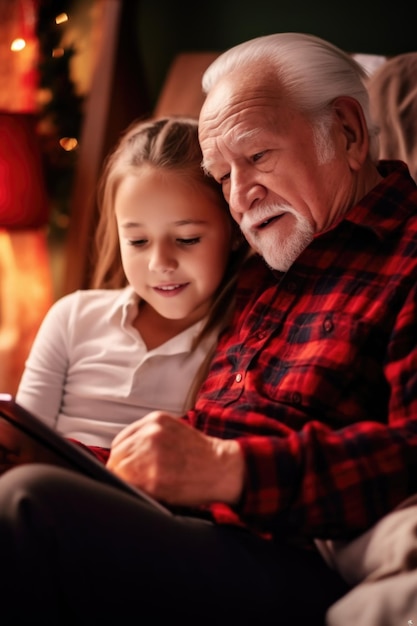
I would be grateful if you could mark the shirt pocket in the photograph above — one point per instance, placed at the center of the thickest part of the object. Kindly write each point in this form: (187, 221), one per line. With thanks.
(330, 365)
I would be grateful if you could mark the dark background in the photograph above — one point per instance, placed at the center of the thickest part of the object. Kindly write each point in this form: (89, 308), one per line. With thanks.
(165, 27)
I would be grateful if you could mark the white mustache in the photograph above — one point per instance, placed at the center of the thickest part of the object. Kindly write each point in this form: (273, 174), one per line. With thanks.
(260, 214)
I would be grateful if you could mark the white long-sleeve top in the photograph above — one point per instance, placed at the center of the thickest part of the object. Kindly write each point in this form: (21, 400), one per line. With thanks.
(89, 373)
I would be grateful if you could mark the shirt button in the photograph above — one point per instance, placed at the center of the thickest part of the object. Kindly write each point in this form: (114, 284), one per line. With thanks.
(238, 378)
(328, 325)
(296, 397)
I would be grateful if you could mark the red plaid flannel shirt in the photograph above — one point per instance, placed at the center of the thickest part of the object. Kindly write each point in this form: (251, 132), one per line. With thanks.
(318, 377)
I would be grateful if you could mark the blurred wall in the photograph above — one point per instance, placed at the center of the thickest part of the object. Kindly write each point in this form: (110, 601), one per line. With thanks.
(166, 27)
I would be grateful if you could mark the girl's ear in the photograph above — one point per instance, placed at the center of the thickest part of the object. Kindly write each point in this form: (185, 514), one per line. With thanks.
(352, 126)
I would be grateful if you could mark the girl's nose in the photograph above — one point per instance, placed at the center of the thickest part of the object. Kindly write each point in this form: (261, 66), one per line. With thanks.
(162, 259)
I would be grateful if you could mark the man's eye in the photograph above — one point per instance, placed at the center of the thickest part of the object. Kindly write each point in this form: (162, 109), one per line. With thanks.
(224, 178)
(189, 242)
(258, 156)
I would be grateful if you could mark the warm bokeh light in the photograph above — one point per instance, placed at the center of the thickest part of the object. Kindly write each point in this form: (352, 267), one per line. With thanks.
(61, 18)
(43, 96)
(18, 44)
(68, 143)
(58, 52)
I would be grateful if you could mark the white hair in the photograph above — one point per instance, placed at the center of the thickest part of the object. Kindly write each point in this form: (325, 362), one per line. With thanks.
(313, 71)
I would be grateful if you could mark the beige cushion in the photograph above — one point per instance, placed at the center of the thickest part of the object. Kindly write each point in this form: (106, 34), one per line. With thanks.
(181, 93)
(393, 96)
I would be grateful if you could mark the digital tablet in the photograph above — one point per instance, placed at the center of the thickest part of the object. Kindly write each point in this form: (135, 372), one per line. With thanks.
(26, 439)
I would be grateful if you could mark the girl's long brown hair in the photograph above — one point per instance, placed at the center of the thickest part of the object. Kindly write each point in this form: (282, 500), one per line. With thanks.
(172, 144)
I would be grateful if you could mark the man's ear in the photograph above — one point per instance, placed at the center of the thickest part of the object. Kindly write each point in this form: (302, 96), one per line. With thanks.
(352, 125)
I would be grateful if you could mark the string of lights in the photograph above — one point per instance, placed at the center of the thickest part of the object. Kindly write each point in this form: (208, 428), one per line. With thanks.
(60, 106)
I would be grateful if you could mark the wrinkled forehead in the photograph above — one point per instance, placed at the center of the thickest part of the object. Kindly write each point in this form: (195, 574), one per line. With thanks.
(221, 96)
(237, 109)
(242, 90)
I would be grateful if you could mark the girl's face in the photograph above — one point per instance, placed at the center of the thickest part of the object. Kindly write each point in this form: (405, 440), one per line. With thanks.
(175, 240)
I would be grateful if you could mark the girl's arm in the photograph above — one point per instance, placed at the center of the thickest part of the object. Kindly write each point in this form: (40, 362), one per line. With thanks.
(43, 381)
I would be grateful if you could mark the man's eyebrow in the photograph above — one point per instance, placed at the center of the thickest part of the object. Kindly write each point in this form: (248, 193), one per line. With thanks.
(235, 138)
(205, 166)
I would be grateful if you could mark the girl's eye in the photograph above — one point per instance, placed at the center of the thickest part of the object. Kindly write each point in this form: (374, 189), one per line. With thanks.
(137, 243)
(189, 242)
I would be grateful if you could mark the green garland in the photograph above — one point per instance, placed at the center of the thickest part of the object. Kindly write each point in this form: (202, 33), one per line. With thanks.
(61, 115)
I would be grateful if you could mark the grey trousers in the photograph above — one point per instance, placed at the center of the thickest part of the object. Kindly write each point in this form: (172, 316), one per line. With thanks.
(75, 552)
(381, 565)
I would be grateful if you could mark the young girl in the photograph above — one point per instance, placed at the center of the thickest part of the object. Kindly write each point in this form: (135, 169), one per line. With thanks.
(142, 338)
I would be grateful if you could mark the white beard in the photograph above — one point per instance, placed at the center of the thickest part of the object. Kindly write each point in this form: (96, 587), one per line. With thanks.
(279, 250)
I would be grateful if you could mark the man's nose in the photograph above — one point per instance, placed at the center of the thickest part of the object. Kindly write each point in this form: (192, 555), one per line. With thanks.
(243, 193)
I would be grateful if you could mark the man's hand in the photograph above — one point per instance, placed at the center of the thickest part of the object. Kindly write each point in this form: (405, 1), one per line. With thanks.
(176, 463)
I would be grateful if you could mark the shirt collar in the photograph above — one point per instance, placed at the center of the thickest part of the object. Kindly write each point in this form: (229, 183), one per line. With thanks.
(389, 204)
(124, 306)
(124, 310)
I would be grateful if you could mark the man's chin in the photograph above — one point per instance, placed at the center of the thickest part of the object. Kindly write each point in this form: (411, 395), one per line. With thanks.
(281, 257)
(277, 265)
